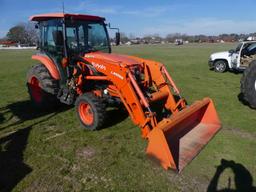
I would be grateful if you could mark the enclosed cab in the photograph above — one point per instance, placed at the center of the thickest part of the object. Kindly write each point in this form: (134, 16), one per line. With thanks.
(69, 35)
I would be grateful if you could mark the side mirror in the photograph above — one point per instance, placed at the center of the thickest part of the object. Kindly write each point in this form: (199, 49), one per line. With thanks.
(117, 34)
(231, 51)
(118, 38)
(36, 26)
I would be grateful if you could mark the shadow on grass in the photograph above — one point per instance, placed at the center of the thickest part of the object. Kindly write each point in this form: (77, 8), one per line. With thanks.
(240, 97)
(24, 110)
(12, 167)
(235, 72)
(115, 116)
(12, 146)
(242, 178)
(1, 118)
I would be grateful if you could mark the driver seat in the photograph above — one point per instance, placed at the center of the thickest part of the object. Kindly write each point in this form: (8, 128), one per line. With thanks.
(57, 38)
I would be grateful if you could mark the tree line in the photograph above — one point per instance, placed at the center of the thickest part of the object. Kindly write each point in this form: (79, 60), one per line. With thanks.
(25, 33)
(190, 38)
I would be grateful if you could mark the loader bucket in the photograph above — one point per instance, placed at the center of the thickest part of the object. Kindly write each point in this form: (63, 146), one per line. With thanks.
(175, 141)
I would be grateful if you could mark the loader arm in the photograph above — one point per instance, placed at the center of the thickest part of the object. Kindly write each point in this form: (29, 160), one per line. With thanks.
(134, 99)
(128, 91)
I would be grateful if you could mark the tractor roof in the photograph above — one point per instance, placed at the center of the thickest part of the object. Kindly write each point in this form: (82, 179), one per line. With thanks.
(45, 17)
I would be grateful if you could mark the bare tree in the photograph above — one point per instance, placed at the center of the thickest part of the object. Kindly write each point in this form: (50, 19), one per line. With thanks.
(31, 37)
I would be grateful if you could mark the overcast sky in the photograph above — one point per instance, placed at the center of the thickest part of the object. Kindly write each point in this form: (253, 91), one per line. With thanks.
(141, 17)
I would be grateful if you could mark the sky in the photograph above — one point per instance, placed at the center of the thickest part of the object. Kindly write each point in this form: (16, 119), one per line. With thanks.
(144, 17)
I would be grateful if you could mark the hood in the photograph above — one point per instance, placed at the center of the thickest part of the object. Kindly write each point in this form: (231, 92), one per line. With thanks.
(111, 57)
(219, 55)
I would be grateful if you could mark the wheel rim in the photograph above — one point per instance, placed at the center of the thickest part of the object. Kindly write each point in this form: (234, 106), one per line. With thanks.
(255, 85)
(220, 67)
(86, 113)
(35, 89)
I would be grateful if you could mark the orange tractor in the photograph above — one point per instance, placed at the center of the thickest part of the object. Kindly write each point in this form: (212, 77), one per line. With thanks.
(77, 67)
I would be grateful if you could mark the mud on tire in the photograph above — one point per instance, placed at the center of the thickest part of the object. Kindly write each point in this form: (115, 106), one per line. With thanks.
(91, 111)
(248, 85)
(42, 88)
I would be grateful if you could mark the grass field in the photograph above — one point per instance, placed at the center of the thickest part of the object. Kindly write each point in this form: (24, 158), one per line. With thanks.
(48, 151)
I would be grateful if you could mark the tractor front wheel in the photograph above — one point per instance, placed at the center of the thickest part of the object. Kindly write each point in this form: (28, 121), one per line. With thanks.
(248, 85)
(42, 88)
(91, 111)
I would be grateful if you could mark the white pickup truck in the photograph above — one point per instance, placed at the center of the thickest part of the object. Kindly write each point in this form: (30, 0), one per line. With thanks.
(237, 59)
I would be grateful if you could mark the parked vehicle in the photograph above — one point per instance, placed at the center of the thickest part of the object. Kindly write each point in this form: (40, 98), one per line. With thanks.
(237, 59)
(178, 42)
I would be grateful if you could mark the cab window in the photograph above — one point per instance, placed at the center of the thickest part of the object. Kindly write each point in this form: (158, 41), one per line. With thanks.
(51, 37)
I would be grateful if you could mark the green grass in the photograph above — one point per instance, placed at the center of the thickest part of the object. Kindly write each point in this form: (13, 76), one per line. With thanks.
(42, 151)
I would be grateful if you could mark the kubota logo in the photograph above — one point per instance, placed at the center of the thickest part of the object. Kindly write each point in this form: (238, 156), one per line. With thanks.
(89, 56)
(99, 66)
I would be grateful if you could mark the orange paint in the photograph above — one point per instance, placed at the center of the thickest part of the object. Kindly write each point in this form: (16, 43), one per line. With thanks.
(43, 17)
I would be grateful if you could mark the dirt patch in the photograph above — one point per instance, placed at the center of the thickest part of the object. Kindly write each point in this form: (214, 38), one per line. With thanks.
(86, 153)
(107, 138)
(187, 183)
(242, 134)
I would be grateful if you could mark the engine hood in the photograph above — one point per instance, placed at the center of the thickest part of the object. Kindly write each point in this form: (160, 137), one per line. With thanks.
(111, 57)
(220, 55)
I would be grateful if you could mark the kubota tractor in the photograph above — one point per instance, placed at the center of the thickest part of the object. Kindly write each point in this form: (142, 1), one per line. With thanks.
(77, 67)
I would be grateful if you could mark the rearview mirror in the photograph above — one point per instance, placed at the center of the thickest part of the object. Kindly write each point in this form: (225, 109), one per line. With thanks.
(117, 38)
(117, 34)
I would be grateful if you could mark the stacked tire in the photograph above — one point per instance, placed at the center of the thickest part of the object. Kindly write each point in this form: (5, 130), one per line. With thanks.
(248, 85)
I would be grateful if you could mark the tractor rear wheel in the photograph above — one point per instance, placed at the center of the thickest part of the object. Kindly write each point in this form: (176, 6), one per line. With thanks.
(248, 85)
(42, 88)
(91, 111)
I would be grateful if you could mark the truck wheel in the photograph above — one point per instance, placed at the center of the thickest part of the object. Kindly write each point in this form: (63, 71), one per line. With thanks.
(248, 85)
(42, 88)
(220, 66)
(91, 111)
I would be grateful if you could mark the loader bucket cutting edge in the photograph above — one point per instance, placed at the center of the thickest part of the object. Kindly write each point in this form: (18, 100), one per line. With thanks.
(175, 141)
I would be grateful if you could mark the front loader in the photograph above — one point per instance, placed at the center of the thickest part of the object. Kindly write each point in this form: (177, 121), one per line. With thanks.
(77, 67)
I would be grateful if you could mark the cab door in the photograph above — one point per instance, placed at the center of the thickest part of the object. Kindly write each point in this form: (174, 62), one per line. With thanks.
(235, 57)
(52, 44)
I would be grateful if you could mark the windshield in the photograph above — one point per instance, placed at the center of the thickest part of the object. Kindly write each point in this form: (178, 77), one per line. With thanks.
(86, 36)
(238, 47)
(252, 47)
